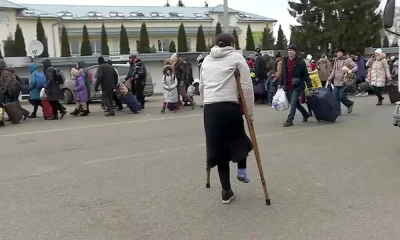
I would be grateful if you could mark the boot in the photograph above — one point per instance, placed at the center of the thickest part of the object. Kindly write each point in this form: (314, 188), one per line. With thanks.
(75, 112)
(32, 115)
(380, 99)
(288, 123)
(162, 110)
(85, 113)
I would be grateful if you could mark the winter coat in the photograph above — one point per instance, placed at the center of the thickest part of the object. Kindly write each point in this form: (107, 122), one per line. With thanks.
(337, 74)
(81, 91)
(379, 70)
(315, 80)
(106, 77)
(278, 67)
(300, 71)
(325, 68)
(38, 81)
(6, 77)
(361, 71)
(170, 83)
(52, 87)
(261, 67)
(81, 65)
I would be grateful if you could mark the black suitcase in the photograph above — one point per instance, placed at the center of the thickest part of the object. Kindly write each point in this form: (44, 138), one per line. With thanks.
(324, 104)
(393, 92)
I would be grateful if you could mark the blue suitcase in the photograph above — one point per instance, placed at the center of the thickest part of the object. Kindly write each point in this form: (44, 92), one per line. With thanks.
(324, 105)
(132, 102)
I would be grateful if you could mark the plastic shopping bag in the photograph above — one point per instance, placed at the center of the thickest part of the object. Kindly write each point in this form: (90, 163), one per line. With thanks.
(329, 86)
(280, 101)
(43, 94)
(190, 91)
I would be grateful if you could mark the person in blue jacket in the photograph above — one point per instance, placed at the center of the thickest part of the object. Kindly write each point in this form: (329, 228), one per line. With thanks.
(38, 80)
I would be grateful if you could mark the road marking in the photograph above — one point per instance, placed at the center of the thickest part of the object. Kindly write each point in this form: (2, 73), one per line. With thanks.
(166, 150)
(97, 125)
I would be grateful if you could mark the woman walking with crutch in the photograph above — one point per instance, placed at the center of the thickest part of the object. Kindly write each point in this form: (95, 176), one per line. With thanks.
(226, 138)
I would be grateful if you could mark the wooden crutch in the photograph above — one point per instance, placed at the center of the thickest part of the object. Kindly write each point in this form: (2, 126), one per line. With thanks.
(254, 141)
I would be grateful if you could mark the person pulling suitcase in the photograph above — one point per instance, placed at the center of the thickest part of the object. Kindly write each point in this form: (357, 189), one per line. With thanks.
(294, 77)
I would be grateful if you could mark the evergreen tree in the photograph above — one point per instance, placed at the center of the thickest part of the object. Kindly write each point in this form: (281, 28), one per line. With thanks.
(19, 43)
(385, 42)
(123, 41)
(9, 49)
(144, 40)
(172, 47)
(267, 39)
(41, 37)
(281, 42)
(218, 29)
(182, 40)
(65, 48)
(201, 40)
(236, 37)
(395, 42)
(377, 40)
(105, 50)
(250, 46)
(180, 3)
(345, 23)
(86, 48)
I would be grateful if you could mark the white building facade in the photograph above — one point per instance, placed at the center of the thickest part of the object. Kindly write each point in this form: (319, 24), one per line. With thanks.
(162, 24)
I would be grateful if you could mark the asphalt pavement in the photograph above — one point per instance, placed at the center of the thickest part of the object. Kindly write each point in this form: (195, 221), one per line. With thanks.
(142, 177)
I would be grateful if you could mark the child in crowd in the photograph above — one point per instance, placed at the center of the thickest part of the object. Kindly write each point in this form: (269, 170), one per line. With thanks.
(170, 84)
(315, 82)
(81, 93)
(271, 86)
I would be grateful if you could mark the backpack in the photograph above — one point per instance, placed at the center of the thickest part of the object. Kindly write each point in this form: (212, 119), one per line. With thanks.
(60, 79)
(40, 80)
(14, 88)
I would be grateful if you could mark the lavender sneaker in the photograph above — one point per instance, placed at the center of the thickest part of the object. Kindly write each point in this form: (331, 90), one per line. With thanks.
(242, 175)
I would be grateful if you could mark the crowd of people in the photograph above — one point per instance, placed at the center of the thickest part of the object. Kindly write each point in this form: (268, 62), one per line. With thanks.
(369, 76)
(46, 82)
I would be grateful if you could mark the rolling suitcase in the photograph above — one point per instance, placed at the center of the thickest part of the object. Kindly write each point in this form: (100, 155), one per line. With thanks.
(323, 104)
(364, 87)
(47, 109)
(13, 111)
(393, 92)
(132, 102)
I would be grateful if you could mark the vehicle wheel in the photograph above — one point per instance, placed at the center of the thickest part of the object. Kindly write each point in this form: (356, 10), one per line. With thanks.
(68, 97)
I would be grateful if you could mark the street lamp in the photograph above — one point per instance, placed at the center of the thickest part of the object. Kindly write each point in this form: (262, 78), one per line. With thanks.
(226, 17)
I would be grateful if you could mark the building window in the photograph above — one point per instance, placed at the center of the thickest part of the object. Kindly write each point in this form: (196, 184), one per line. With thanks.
(197, 15)
(96, 46)
(188, 43)
(115, 47)
(3, 17)
(137, 45)
(75, 47)
(163, 45)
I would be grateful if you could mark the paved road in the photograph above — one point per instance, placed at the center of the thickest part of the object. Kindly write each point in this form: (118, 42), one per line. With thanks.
(141, 177)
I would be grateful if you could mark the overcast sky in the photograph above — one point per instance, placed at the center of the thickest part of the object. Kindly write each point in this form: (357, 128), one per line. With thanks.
(276, 9)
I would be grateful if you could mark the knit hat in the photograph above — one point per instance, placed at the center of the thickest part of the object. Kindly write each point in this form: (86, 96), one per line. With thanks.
(378, 51)
(293, 47)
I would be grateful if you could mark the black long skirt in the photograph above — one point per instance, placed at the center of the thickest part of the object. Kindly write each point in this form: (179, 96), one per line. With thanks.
(226, 138)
